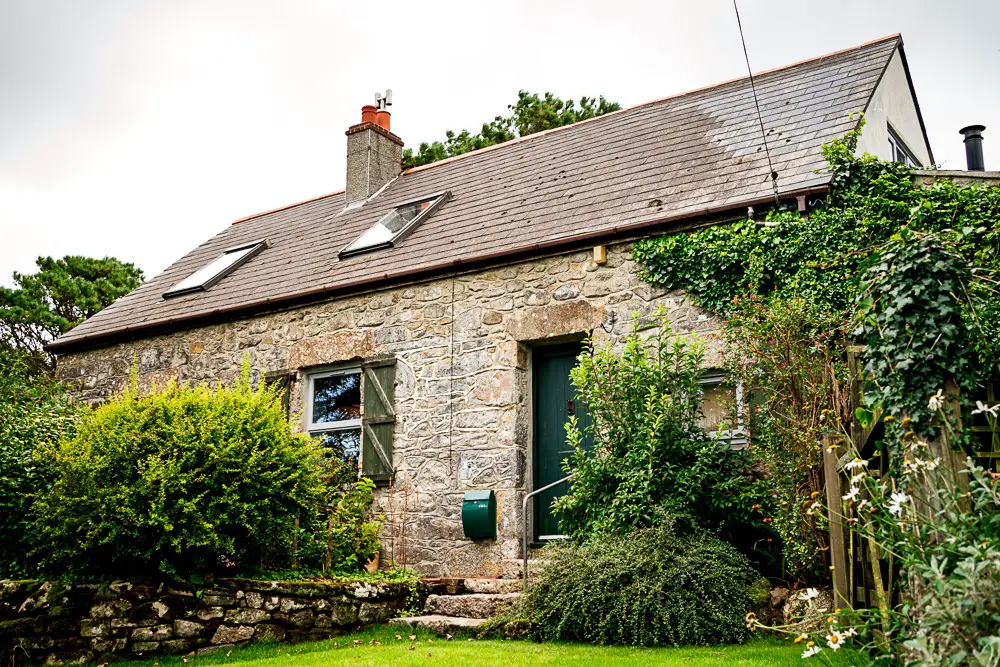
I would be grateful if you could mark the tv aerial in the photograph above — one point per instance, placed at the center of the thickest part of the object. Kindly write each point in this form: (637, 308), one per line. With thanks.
(383, 100)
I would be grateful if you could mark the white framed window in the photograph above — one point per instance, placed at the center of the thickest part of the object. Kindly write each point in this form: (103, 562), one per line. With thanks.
(723, 409)
(899, 150)
(333, 410)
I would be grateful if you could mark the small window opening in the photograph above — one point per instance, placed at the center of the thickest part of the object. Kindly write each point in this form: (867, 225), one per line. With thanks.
(395, 225)
(722, 409)
(899, 151)
(217, 269)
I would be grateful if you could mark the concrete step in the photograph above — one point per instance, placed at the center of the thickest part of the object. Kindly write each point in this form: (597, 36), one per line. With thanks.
(482, 585)
(470, 605)
(443, 625)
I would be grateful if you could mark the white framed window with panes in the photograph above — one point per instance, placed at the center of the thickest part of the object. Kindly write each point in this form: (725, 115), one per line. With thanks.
(723, 408)
(333, 410)
(899, 151)
(351, 410)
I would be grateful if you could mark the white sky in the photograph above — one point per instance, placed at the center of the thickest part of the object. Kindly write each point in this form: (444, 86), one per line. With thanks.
(138, 129)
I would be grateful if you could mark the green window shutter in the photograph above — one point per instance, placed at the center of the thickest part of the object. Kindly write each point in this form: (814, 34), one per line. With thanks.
(378, 419)
(285, 379)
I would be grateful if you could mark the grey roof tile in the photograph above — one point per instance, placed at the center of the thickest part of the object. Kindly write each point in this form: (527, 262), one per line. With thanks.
(690, 151)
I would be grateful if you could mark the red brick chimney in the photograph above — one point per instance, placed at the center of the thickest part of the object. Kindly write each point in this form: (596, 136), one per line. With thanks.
(374, 154)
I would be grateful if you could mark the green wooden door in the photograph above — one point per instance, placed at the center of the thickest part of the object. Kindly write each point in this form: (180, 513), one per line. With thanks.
(554, 400)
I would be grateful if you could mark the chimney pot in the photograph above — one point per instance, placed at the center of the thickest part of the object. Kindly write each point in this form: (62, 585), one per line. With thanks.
(974, 147)
(374, 155)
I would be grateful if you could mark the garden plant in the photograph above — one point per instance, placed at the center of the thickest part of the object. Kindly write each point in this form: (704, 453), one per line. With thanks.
(186, 481)
(907, 274)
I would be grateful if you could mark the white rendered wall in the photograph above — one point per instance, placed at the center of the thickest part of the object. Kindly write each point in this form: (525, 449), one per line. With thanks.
(892, 103)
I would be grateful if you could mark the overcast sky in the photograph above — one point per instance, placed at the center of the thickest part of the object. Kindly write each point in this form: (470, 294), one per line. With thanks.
(139, 129)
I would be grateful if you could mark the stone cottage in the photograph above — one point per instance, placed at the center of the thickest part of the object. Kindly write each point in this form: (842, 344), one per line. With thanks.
(425, 321)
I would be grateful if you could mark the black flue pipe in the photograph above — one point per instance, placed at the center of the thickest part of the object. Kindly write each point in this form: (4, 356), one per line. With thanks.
(974, 147)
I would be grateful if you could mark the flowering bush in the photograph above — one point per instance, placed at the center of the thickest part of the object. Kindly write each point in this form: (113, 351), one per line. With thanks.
(945, 542)
(788, 351)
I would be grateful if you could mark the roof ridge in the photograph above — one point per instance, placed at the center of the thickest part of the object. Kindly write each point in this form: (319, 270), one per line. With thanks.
(479, 151)
(287, 206)
(527, 137)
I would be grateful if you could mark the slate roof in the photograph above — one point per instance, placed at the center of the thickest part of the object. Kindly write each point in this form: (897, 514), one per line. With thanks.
(677, 157)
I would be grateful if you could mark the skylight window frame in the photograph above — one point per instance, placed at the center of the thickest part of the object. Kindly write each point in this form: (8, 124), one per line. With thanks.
(436, 199)
(256, 248)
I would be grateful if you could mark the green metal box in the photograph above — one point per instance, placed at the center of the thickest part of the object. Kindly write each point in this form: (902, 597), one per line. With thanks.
(479, 514)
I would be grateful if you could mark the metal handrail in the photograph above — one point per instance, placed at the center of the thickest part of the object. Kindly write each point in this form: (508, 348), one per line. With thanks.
(524, 522)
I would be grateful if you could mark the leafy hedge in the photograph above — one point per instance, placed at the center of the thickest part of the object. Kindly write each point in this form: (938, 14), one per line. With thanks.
(34, 411)
(673, 584)
(178, 481)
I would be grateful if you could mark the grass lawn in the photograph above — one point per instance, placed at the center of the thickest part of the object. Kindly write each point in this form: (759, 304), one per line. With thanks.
(431, 649)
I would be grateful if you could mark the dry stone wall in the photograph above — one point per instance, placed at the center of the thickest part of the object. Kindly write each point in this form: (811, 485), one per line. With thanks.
(54, 622)
(463, 349)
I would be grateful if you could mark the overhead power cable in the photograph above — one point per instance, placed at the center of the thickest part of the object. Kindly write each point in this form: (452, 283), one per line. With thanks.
(760, 118)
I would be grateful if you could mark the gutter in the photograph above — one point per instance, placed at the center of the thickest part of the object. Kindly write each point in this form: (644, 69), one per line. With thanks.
(423, 272)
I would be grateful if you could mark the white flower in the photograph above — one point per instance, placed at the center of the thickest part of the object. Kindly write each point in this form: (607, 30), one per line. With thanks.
(936, 401)
(811, 594)
(834, 640)
(991, 410)
(856, 464)
(850, 632)
(852, 494)
(856, 479)
(811, 651)
(896, 506)
(862, 503)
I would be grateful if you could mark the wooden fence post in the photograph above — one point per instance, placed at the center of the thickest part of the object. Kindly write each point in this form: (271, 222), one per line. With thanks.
(835, 505)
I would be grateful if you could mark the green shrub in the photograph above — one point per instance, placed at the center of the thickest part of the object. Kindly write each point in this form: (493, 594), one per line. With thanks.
(649, 456)
(341, 534)
(34, 411)
(178, 481)
(673, 584)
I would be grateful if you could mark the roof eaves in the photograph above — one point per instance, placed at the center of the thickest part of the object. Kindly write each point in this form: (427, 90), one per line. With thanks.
(916, 102)
(68, 343)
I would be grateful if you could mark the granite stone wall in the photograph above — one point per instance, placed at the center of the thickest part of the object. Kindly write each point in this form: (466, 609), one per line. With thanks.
(55, 622)
(463, 350)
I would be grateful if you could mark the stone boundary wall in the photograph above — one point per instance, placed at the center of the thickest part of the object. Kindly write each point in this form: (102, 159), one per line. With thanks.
(56, 622)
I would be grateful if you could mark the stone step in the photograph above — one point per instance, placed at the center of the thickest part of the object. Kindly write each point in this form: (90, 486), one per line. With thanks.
(483, 585)
(470, 605)
(443, 625)
(513, 568)
(443, 585)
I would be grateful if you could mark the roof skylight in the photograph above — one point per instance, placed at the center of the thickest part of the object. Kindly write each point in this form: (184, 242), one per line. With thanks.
(395, 224)
(217, 269)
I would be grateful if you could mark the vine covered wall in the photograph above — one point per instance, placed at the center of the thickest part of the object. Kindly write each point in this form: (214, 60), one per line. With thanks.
(912, 269)
(905, 269)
